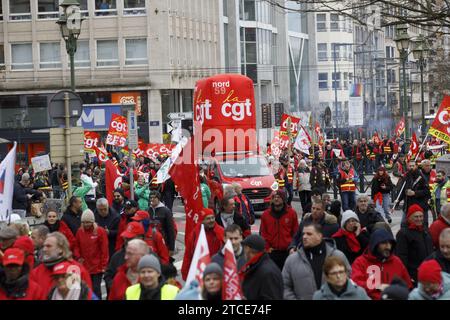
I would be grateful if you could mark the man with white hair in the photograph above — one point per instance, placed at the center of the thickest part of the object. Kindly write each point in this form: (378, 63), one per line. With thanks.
(109, 219)
(127, 275)
(22, 194)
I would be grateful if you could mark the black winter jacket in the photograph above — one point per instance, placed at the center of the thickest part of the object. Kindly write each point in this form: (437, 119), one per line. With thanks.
(115, 262)
(72, 220)
(444, 263)
(341, 244)
(328, 223)
(162, 218)
(413, 247)
(20, 199)
(110, 222)
(369, 218)
(237, 218)
(417, 183)
(263, 280)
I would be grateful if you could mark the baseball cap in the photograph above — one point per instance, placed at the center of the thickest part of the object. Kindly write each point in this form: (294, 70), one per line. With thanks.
(13, 256)
(141, 215)
(133, 230)
(61, 268)
(131, 204)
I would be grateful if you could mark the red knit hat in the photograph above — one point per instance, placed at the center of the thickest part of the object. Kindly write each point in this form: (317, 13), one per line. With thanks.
(412, 209)
(205, 212)
(430, 271)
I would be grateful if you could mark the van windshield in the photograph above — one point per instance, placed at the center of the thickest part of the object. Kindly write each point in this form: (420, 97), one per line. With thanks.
(246, 167)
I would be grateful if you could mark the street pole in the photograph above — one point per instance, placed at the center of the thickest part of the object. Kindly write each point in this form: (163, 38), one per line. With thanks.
(421, 65)
(335, 89)
(67, 136)
(405, 106)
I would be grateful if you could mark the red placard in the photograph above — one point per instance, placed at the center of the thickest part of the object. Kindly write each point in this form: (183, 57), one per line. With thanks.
(400, 127)
(118, 131)
(284, 124)
(153, 150)
(91, 140)
(224, 114)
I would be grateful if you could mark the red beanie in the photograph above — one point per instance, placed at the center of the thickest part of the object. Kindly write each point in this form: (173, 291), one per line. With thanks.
(412, 209)
(204, 213)
(430, 271)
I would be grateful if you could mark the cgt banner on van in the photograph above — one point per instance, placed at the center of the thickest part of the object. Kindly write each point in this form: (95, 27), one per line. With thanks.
(225, 114)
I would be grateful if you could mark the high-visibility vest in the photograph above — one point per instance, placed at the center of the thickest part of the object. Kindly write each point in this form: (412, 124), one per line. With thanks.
(445, 193)
(290, 174)
(387, 149)
(280, 178)
(349, 185)
(370, 154)
(65, 185)
(432, 179)
(168, 292)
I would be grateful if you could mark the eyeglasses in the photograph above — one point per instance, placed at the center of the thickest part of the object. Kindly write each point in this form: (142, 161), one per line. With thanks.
(335, 273)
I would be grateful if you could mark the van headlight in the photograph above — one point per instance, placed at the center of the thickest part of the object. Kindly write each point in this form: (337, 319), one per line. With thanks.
(274, 186)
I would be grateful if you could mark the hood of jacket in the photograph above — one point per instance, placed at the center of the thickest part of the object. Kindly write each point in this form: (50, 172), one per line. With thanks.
(350, 291)
(378, 237)
(326, 219)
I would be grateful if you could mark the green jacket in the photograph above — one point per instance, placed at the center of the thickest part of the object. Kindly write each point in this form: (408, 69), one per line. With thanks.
(206, 194)
(143, 194)
(444, 198)
(168, 292)
(81, 192)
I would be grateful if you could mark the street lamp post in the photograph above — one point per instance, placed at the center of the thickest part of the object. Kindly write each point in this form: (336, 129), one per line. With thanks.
(70, 24)
(402, 41)
(420, 52)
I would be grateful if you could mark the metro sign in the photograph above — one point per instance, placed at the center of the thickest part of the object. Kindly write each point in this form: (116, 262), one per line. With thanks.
(97, 117)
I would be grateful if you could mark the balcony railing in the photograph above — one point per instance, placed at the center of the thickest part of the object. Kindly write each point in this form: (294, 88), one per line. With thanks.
(48, 15)
(105, 12)
(19, 16)
(134, 11)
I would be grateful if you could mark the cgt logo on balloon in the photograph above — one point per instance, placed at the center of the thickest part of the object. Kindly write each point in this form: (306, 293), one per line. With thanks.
(224, 109)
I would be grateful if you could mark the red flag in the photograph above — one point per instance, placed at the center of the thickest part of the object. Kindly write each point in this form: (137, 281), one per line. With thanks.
(294, 124)
(200, 259)
(376, 139)
(118, 131)
(91, 140)
(113, 180)
(440, 128)
(413, 148)
(400, 127)
(231, 288)
(185, 175)
(102, 154)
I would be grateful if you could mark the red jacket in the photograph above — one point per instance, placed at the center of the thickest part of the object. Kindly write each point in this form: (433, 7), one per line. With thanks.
(278, 232)
(43, 276)
(215, 242)
(386, 271)
(120, 284)
(155, 241)
(436, 229)
(122, 227)
(64, 229)
(33, 292)
(94, 249)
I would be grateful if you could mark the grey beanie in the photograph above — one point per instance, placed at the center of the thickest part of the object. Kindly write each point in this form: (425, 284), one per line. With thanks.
(149, 261)
(213, 267)
(347, 215)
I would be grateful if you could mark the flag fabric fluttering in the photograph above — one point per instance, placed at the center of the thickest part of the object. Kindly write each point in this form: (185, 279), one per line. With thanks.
(231, 288)
(7, 176)
(200, 259)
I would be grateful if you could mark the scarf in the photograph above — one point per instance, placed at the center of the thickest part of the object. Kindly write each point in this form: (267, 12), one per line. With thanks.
(74, 294)
(150, 294)
(253, 261)
(53, 262)
(53, 227)
(413, 226)
(350, 239)
(278, 213)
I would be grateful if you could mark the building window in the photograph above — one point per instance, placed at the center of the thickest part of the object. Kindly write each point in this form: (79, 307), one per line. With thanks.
(323, 81)
(249, 53)
(82, 56)
(322, 51)
(2, 55)
(105, 8)
(136, 52)
(334, 22)
(345, 80)
(21, 56)
(249, 10)
(335, 51)
(1, 11)
(344, 52)
(134, 7)
(336, 80)
(264, 44)
(107, 53)
(48, 9)
(50, 55)
(225, 8)
(321, 22)
(19, 10)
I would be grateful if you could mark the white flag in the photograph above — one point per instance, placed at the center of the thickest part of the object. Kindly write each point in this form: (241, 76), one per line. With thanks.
(163, 173)
(7, 183)
(200, 259)
(302, 141)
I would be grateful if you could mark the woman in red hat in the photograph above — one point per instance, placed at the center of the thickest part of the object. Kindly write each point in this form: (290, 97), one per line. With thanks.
(414, 242)
(434, 284)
